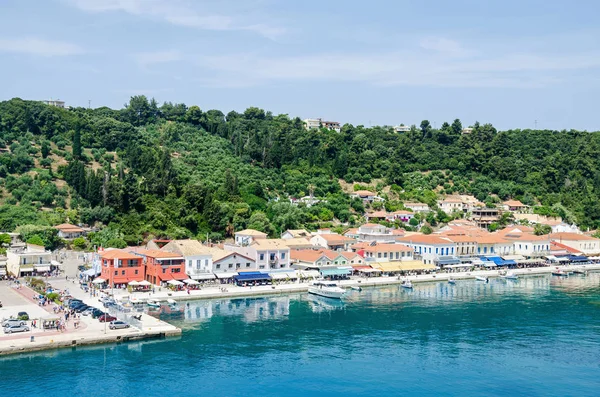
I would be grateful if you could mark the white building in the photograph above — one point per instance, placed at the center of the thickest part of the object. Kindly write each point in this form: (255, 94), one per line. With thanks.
(416, 207)
(402, 128)
(248, 236)
(55, 102)
(198, 258)
(387, 253)
(25, 261)
(268, 253)
(585, 244)
(310, 124)
(373, 232)
(429, 247)
(332, 241)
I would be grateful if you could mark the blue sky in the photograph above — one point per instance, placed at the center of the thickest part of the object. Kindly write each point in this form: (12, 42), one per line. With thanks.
(377, 62)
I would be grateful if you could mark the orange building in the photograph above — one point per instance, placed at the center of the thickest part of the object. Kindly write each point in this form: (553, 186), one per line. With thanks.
(163, 266)
(120, 267)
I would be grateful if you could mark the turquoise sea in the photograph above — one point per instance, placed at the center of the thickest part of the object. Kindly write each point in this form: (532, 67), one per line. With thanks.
(538, 336)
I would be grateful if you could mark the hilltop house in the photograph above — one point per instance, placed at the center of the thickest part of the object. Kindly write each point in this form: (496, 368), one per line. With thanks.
(295, 233)
(416, 207)
(332, 241)
(68, 231)
(248, 236)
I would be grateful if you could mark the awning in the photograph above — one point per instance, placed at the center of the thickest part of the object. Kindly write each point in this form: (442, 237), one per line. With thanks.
(283, 275)
(90, 273)
(42, 268)
(578, 258)
(370, 270)
(461, 265)
(144, 283)
(174, 282)
(562, 259)
(133, 283)
(99, 280)
(204, 276)
(335, 271)
(506, 263)
(361, 267)
(489, 264)
(309, 273)
(224, 275)
(2, 271)
(191, 282)
(26, 269)
(513, 257)
(251, 276)
(56, 263)
(446, 260)
(551, 258)
(402, 266)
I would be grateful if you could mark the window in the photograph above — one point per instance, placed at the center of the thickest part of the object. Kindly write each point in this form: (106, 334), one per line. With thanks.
(261, 267)
(136, 271)
(231, 265)
(122, 272)
(247, 264)
(237, 265)
(176, 270)
(218, 266)
(272, 257)
(379, 254)
(116, 272)
(198, 261)
(262, 257)
(283, 255)
(385, 255)
(190, 263)
(164, 271)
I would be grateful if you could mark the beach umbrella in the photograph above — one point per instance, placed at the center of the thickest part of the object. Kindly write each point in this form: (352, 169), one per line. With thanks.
(133, 283)
(99, 281)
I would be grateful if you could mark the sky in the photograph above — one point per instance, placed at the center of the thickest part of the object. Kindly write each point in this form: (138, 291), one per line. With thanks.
(512, 63)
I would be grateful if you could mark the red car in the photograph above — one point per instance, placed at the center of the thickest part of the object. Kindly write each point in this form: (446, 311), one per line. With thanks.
(106, 318)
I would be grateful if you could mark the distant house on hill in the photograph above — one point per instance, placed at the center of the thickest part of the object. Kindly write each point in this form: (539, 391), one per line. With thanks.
(68, 231)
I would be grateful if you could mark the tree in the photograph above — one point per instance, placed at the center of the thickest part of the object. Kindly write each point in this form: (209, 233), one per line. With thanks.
(259, 221)
(79, 243)
(45, 149)
(35, 240)
(426, 229)
(4, 239)
(540, 229)
(77, 143)
(425, 128)
(456, 127)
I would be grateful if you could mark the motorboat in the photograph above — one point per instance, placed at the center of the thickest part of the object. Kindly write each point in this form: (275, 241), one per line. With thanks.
(451, 281)
(154, 303)
(407, 284)
(356, 288)
(326, 289)
(560, 273)
(511, 276)
(481, 278)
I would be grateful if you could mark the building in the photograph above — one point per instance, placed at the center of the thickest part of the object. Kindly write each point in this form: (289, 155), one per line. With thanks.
(429, 247)
(494, 244)
(484, 217)
(351, 233)
(310, 124)
(163, 266)
(248, 236)
(323, 258)
(525, 242)
(332, 125)
(268, 254)
(198, 258)
(366, 196)
(402, 129)
(28, 260)
(298, 243)
(403, 216)
(309, 201)
(514, 206)
(231, 262)
(416, 207)
(3, 266)
(119, 267)
(467, 130)
(68, 231)
(465, 245)
(55, 102)
(295, 233)
(450, 205)
(372, 232)
(332, 241)
(585, 244)
(386, 253)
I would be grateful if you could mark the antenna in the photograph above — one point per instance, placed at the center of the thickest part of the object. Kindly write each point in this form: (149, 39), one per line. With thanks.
(89, 103)
(535, 122)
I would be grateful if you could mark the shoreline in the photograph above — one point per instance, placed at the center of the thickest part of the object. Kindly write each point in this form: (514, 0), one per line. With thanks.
(153, 328)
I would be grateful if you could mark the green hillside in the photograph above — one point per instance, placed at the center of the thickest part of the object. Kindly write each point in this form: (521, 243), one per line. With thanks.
(176, 171)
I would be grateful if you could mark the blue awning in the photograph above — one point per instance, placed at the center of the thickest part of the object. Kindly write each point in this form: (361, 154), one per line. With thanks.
(252, 276)
(578, 258)
(334, 272)
(506, 263)
(447, 260)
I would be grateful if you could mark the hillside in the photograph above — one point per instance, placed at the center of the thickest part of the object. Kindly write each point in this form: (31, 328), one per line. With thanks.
(178, 171)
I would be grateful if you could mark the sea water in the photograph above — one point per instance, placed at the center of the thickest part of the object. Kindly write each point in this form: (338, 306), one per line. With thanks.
(532, 337)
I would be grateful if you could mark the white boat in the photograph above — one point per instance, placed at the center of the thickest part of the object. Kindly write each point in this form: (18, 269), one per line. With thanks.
(481, 278)
(451, 281)
(407, 284)
(154, 303)
(356, 288)
(511, 276)
(326, 289)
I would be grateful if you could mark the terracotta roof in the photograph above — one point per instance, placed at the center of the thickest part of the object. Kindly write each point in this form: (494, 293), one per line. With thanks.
(526, 237)
(378, 214)
(275, 243)
(118, 254)
(514, 203)
(187, 248)
(219, 254)
(364, 193)
(352, 230)
(372, 225)
(251, 232)
(462, 239)
(403, 212)
(158, 254)
(554, 246)
(336, 238)
(312, 256)
(491, 239)
(67, 227)
(296, 242)
(571, 237)
(298, 232)
(388, 248)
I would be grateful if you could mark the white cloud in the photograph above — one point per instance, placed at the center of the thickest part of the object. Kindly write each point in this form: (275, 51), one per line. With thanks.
(399, 69)
(444, 46)
(151, 58)
(40, 47)
(179, 13)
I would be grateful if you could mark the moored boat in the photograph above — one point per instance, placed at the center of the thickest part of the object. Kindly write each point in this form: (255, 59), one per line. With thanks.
(326, 289)
(511, 276)
(560, 273)
(451, 281)
(407, 284)
(154, 303)
(481, 278)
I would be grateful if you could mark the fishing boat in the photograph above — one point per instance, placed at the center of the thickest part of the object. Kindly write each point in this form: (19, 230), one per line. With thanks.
(481, 278)
(451, 281)
(326, 289)
(406, 284)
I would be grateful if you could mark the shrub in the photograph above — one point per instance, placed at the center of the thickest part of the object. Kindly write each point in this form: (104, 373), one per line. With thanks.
(79, 243)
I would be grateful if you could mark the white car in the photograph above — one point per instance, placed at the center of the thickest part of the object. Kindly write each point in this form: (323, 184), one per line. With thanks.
(13, 322)
(118, 324)
(15, 328)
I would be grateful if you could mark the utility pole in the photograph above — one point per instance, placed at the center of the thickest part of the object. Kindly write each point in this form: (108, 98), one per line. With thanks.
(89, 103)
(535, 122)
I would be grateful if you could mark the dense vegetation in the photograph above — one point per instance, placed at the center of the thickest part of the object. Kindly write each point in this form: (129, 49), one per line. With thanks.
(178, 171)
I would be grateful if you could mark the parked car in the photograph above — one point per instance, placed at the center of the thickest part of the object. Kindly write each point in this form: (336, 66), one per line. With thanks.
(110, 304)
(118, 324)
(97, 313)
(88, 311)
(80, 309)
(15, 328)
(11, 322)
(23, 316)
(74, 304)
(106, 318)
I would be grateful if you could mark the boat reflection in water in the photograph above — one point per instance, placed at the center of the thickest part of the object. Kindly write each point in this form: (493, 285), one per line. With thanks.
(320, 304)
(249, 309)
